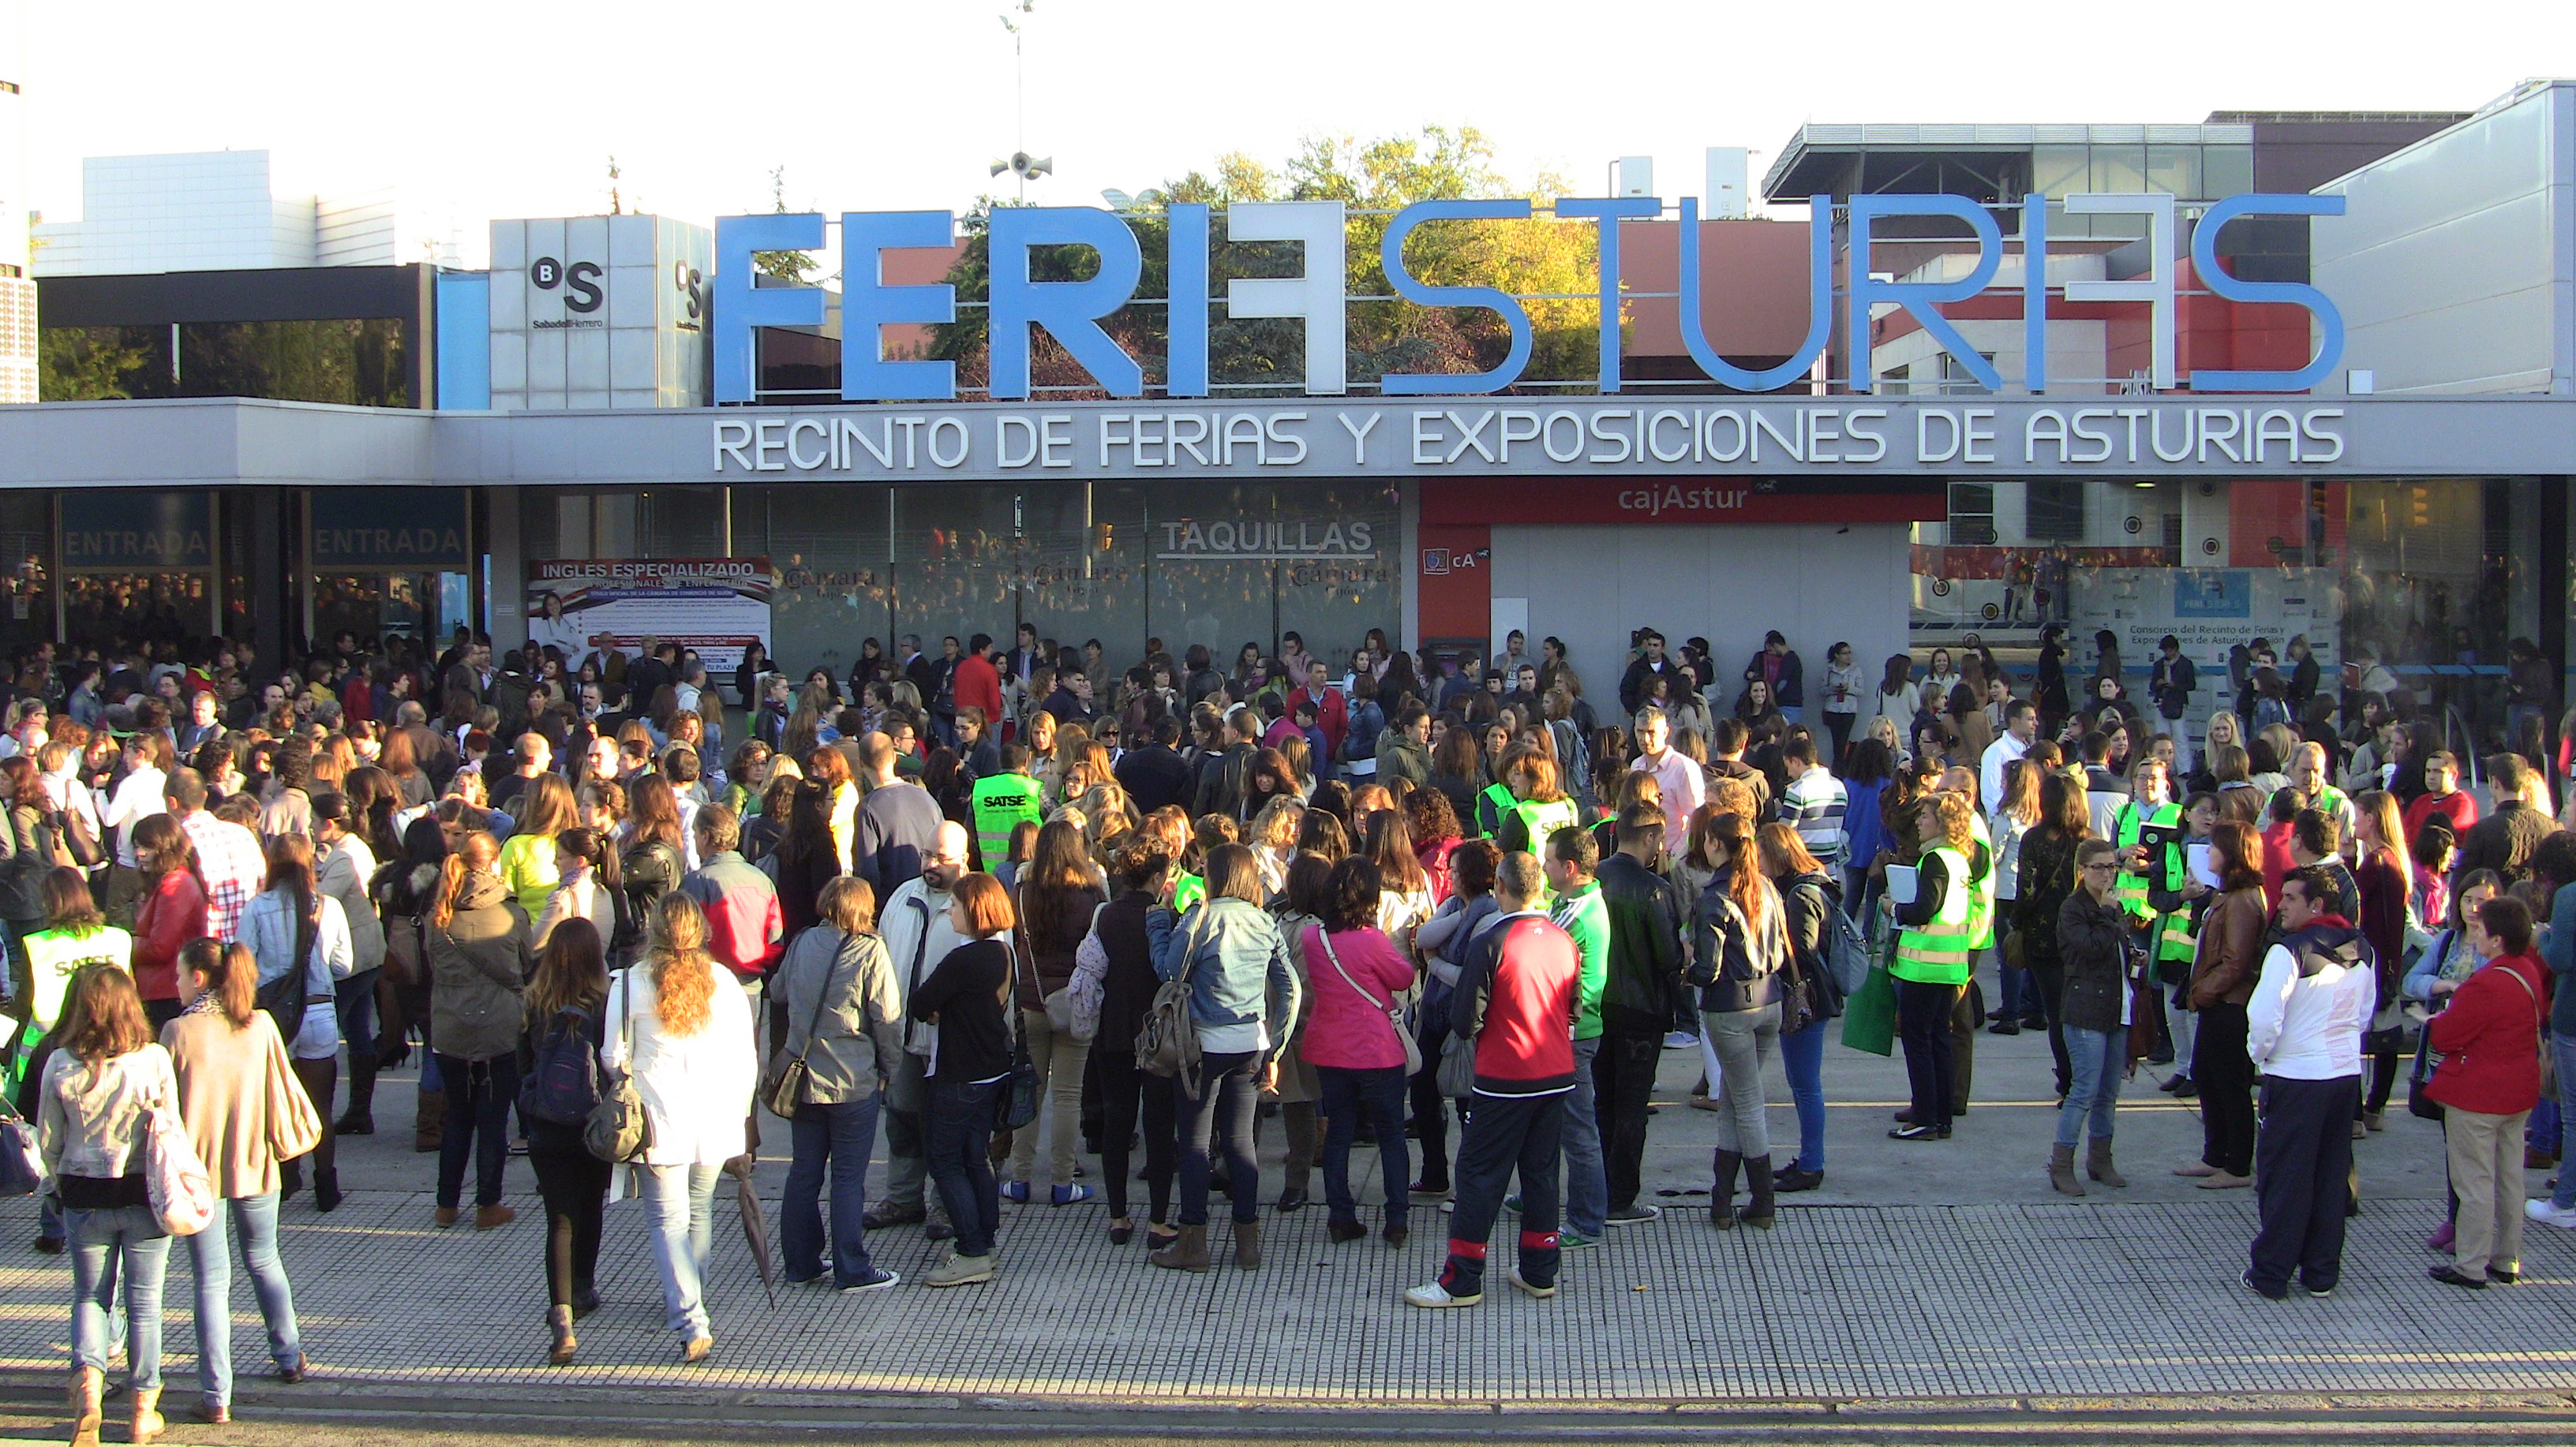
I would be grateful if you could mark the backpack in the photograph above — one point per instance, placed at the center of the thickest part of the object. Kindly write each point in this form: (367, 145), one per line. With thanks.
(1573, 755)
(562, 1083)
(1167, 1042)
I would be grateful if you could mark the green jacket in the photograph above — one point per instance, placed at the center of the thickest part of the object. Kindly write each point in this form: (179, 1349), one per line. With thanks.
(1580, 912)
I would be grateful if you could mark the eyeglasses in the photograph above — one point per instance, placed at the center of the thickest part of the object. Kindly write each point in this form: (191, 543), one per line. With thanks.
(2101, 869)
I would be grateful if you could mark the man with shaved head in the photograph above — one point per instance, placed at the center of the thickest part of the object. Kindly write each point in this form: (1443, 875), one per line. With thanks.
(914, 924)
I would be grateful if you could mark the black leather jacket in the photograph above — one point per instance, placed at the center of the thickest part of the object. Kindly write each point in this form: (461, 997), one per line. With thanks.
(1645, 971)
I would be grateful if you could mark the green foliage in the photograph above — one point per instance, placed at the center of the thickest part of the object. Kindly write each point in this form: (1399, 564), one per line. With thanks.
(1539, 255)
(791, 267)
(87, 364)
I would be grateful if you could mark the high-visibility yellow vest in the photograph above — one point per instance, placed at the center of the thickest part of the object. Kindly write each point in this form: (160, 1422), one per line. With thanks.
(1981, 898)
(1189, 890)
(2126, 828)
(1000, 803)
(1542, 819)
(1499, 798)
(1938, 951)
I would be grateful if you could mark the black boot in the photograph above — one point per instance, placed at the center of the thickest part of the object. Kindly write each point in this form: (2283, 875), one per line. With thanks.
(326, 1190)
(1757, 1212)
(1721, 1191)
(359, 1118)
(290, 1178)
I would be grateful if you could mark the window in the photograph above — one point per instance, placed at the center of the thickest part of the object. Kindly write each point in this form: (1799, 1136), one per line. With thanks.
(1972, 515)
(2055, 510)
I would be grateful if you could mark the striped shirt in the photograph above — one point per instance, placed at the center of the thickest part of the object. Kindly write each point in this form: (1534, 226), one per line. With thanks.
(1814, 807)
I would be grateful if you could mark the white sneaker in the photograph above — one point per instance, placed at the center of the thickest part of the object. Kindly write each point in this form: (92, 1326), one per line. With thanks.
(1524, 1288)
(1681, 1040)
(1436, 1295)
(2539, 1209)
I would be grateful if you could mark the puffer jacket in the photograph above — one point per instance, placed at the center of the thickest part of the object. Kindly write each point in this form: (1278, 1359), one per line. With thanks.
(1736, 962)
(1646, 917)
(1239, 967)
(480, 964)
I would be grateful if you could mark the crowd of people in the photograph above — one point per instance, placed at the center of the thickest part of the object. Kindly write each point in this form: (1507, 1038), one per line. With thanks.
(1010, 909)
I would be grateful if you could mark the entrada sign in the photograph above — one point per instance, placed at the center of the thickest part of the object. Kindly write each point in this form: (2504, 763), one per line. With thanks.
(1071, 311)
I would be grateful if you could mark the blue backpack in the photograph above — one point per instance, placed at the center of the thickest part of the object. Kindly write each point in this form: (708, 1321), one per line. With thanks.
(562, 1085)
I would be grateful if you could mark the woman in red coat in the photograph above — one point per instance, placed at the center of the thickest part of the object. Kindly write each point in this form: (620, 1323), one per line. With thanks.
(171, 912)
(2489, 1039)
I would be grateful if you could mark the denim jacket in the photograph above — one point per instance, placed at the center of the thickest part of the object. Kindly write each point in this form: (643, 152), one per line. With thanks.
(1243, 971)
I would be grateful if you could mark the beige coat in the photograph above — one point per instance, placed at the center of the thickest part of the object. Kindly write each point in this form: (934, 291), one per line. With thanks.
(238, 1095)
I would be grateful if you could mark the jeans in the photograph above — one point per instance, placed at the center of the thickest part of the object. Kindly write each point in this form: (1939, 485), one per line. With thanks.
(2563, 1053)
(102, 1242)
(356, 997)
(1743, 1041)
(1507, 1133)
(1059, 1059)
(479, 1096)
(2182, 1027)
(2100, 1058)
(255, 1219)
(907, 1135)
(1587, 1188)
(679, 1202)
(1346, 1094)
(2226, 1079)
(1430, 1107)
(1222, 1101)
(1623, 1088)
(1923, 1021)
(961, 1129)
(1803, 1056)
(838, 1137)
(2018, 997)
(1126, 1093)
(2302, 1172)
(574, 1186)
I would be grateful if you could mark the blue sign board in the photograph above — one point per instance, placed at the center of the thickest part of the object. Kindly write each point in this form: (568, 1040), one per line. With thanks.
(114, 530)
(388, 529)
(2213, 593)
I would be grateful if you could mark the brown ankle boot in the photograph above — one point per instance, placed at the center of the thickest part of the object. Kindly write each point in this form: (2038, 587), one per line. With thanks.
(87, 1387)
(429, 1122)
(2097, 1164)
(1247, 1245)
(2061, 1171)
(1188, 1251)
(147, 1415)
(559, 1321)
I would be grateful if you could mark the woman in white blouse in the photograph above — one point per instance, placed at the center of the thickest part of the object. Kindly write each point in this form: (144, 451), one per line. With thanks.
(686, 1028)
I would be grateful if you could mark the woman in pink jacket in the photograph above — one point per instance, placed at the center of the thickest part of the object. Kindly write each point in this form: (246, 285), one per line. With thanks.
(1359, 982)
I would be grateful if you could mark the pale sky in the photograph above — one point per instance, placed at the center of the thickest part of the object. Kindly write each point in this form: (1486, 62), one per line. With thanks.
(480, 110)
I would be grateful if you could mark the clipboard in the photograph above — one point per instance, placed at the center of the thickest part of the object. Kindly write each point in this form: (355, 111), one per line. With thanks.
(1901, 882)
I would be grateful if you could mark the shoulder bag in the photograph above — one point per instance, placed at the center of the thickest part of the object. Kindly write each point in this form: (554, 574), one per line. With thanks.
(1017, 1105)
(182, 1194)
(618, 1129)
(1394, 1012)
(784, 1089)
(1075, 1009)
(1167, 1044)
(22, 1162)
(283, 998)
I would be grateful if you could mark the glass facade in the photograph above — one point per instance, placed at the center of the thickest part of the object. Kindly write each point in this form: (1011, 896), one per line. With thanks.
(359, 361)
(1219, 564)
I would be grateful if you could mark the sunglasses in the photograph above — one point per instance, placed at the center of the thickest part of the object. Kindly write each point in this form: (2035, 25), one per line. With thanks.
(2101, 869)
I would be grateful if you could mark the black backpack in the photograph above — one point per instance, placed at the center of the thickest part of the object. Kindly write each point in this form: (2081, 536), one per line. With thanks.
(562, 1084)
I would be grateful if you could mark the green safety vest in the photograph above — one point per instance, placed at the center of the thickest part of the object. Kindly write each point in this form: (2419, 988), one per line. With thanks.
(1981, 896)
(1501, 798)
(1188, 891)
(2172, 931)
(1001, 801)
(1939, 952)
(1542, 820)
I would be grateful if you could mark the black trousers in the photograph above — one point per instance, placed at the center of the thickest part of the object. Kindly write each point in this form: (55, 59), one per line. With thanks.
(1623, 1085)
(1126, 1093)
(1507, 1134)
(2383, 1081)
(1923, 1023)
(2302, 1159)
(2050, 978)
(2226, 1079)
(574, 1184)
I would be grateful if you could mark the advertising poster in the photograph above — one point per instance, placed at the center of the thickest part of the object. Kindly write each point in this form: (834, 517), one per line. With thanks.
(715, 606)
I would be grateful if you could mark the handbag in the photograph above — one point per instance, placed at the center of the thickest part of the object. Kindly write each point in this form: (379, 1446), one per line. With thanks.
(294, 1126)
(618, 1128)
(1017, 1104)
(1457, 1077)
(1083, 996)
(182, 1194)
(784, 1089)
(22, 1161)
(283, 997)
(1394, 1013)
(1869, 1016)
(1167, 1043)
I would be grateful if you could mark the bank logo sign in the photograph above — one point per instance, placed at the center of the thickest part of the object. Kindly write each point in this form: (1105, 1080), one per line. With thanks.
(581, 293)
(1072, 311)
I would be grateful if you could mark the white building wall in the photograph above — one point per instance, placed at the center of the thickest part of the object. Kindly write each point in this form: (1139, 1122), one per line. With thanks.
(2454, 264)
(218, 211)
(18, 373)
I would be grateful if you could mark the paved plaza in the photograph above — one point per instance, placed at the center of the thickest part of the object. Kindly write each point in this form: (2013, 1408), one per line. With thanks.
(1923, 1274)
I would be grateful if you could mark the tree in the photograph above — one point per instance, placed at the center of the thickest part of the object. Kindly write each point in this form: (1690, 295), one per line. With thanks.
(1539, 256)
(88, 364)
(789, 267)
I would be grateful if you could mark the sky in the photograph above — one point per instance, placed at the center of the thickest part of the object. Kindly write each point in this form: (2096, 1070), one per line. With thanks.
(475, 110)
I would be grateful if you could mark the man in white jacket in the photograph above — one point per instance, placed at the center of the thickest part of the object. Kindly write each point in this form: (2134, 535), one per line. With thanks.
(914, 923)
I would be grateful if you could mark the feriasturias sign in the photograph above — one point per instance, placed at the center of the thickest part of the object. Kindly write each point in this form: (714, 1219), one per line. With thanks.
(1604, 438)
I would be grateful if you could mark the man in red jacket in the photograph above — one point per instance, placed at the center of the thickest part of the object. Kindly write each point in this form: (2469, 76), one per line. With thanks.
(977, 683)
(1516, 999)
(1332, 714)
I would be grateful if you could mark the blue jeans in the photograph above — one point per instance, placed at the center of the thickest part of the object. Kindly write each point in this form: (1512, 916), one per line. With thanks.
(840, 1136)
(2019, 996)
(2563, 1052)
(1225, 1098)
(2099, 1058)
(680, 1204)
(255, 1218)
(1587, 1186)
(100, 1243)
(1803, 1056)
(355, 999)
(1346, 1094)
(479, 1097)
(960, 1128)
(1794, 712)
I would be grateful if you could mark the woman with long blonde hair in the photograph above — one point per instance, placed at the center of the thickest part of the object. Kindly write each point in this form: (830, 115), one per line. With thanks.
(475, 941)
(683, 1030)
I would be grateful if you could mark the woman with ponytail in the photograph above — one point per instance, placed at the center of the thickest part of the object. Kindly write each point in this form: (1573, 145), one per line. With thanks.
(678, 1024)
(294, 929)
(588, 886)
(239, 1095)
(475, 939)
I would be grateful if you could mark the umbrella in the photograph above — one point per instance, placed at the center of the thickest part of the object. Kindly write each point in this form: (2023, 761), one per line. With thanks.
(755, 1227)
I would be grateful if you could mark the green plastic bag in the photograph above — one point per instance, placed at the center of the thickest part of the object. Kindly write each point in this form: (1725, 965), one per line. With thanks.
(1869, 1017)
